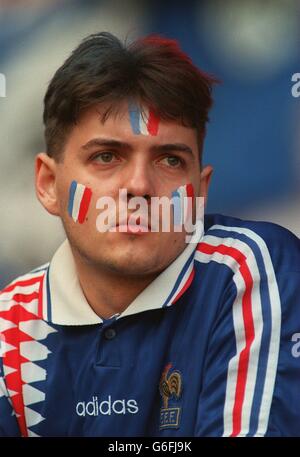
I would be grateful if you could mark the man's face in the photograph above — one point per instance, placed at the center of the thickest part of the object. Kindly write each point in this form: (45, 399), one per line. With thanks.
(110, 156)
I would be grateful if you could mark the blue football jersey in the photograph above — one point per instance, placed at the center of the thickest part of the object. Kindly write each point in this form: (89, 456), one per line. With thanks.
(210, 348)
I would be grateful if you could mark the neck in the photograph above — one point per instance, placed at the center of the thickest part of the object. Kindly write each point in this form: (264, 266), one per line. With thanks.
(108, 292)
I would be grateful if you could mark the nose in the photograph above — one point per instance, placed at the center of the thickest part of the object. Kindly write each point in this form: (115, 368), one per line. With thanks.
(139, 180)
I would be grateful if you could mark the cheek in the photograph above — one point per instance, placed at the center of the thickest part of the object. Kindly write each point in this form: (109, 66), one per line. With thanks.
(79, 201)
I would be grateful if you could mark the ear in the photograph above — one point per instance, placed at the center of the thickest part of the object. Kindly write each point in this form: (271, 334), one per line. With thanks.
(205, 178)
(45, 183)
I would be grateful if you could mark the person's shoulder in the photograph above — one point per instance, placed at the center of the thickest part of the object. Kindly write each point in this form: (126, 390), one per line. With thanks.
(268, 238)
(26, 286)
(267, 230)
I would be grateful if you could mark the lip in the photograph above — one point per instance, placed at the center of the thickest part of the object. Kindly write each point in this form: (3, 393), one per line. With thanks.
(137, 229)
(132, 229)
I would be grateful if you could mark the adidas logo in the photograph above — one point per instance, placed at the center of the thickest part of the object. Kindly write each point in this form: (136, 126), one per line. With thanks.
(106, 407)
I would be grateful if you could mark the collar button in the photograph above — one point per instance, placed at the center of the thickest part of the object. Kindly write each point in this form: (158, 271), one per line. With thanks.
(110, 334)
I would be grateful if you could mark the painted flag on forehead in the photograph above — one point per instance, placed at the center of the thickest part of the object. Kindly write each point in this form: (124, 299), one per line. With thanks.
(79, 201)
(144, 121)
(183, 203)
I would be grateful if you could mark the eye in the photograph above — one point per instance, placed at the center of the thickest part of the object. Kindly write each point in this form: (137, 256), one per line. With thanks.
(172, 161)
(104, 157)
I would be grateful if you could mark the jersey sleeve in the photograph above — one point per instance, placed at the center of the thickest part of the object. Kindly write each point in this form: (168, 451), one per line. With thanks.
(251, 382)
(8, 422)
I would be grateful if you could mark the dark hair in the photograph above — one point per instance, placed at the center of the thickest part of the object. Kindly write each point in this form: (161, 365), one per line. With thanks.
(152, 70)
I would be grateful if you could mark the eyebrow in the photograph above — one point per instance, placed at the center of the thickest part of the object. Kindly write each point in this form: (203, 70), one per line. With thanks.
(169, 147)
(180, 147)
(105, 142)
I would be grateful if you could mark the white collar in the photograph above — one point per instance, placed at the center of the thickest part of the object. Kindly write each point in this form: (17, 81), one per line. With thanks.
(65, 304)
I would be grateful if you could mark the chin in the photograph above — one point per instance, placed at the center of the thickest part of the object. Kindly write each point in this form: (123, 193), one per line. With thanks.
(132, 264)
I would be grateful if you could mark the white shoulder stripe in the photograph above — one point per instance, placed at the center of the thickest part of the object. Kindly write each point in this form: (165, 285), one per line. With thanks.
(275, 325)
(239, 328)
(258, 322)
(240, 333)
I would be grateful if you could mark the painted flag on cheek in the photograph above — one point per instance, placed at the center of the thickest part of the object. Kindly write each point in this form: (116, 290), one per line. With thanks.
(182, 205)
(79, 201)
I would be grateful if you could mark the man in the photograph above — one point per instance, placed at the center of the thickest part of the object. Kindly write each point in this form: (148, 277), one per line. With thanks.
(131, 331)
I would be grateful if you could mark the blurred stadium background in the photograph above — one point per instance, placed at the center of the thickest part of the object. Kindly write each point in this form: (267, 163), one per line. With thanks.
(253, 138)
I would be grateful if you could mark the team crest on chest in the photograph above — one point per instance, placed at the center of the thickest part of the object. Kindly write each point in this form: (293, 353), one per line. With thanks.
(170, 388)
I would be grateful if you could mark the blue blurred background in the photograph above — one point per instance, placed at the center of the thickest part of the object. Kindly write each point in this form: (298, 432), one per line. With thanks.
(253, 138)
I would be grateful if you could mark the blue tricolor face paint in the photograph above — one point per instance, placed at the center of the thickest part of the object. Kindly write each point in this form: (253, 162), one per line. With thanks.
(183, 206)
(144, 122)
(79, 201)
